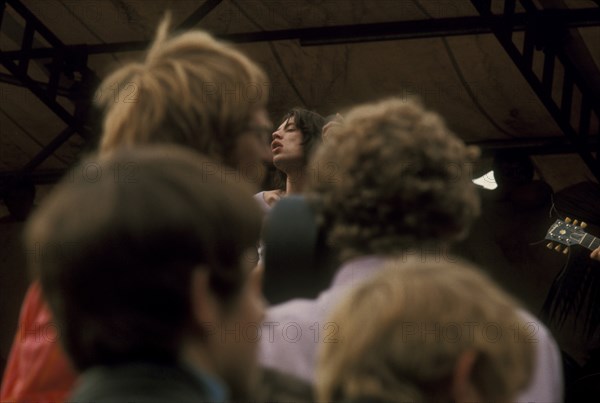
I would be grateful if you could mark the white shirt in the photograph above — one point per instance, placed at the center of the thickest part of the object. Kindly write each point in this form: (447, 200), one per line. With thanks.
(293, 330)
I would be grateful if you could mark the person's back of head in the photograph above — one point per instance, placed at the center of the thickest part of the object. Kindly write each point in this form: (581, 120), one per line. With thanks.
(425, 332)
(391, 177)
(191, 90)
(127, 255)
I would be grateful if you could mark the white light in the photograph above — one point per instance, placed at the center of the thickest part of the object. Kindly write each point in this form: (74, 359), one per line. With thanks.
(486, 181)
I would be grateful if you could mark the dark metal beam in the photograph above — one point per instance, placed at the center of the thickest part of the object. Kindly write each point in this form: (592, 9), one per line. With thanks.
(547, 32)
(535, 145)
(2, 7)
(46, 92)
(199, 14)
(48, 149)
(437, 27)
(26, 45)
(11, 80)
(348, 33)
(578, 53)
(37, 177)
(42, 95)
(37, 24)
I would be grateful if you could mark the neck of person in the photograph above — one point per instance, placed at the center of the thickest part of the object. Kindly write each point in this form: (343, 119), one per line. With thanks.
(295, 181)
(197, 355)
(203, 363)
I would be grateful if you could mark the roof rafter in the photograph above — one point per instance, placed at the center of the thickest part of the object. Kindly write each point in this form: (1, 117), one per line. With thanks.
(545, 33)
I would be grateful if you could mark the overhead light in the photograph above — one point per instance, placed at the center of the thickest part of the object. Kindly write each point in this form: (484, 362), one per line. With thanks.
(486, 181)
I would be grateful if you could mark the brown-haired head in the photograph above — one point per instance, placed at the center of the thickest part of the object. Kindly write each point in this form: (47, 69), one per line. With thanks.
(117, 250)
(393, 177)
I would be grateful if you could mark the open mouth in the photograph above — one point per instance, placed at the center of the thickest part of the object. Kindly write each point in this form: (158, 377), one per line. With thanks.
(276, 146)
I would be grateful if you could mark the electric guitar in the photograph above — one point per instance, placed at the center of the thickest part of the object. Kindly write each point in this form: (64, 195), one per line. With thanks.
(570, 233)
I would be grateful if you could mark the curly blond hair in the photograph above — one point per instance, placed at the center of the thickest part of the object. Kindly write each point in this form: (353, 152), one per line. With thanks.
(393, 177)
(402, 333)
(190, 89)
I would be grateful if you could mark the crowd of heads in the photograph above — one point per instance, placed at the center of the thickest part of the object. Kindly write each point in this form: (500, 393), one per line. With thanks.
(148, 268)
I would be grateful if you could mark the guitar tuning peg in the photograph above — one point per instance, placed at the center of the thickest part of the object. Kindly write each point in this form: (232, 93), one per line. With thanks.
(575, 222)
(567, 220)
(550, 245)
(557, 248)
(583, 224)
(566, 250)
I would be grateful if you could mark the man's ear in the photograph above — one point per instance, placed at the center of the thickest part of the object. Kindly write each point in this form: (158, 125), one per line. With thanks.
(463, 388)
(205, 308)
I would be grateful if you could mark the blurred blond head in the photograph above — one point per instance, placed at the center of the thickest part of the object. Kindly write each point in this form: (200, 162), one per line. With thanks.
(190, 89)
(426, 332)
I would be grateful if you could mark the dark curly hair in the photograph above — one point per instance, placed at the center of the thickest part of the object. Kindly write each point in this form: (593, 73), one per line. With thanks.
(311, 125)
(393, 177)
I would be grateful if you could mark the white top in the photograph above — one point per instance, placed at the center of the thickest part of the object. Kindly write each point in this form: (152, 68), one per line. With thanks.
(293, 330)
(260, 198)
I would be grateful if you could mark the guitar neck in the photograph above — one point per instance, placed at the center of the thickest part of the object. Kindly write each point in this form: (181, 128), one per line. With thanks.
(589, 241)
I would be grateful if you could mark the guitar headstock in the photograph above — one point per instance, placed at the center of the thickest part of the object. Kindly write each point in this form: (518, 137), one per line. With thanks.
(567, 233)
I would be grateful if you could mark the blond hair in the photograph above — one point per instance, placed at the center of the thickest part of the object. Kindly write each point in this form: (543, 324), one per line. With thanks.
(402, 332)
(391, 177)
(190, 89)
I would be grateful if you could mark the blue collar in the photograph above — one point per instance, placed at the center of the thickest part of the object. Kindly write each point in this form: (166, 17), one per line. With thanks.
(215, 388)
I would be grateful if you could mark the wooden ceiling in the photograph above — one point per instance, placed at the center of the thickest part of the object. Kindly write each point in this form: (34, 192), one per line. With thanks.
(322, 55)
